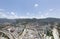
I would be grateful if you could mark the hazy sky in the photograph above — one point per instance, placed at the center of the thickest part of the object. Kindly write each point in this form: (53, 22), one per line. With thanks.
(29, 8)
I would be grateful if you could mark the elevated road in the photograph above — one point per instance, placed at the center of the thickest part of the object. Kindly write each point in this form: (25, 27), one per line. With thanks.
(7, 34)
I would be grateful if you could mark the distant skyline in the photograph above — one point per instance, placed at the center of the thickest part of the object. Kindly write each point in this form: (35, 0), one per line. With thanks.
(12, 9)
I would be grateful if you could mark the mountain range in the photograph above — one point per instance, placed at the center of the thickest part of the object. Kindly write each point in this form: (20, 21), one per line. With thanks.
(44, 20)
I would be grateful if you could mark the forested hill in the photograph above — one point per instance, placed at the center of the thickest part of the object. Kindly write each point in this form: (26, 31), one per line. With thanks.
(44, 21)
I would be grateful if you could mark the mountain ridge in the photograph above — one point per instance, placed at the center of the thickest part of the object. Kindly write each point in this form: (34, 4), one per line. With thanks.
(3, 20)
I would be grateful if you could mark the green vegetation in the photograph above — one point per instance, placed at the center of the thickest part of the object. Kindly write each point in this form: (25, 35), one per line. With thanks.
(49, 33)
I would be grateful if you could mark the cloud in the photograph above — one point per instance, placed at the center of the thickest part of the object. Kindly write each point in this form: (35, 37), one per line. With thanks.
(3, 15)
(36, 5)
(39, 12)
(51, 9)
(42, 16)
(12, 13)
(9, 15)
(27, 13)
(23, 16)
(45, 14)
(1, 9)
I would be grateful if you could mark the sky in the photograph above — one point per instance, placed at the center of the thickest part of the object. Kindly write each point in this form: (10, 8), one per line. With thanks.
(12, 9)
